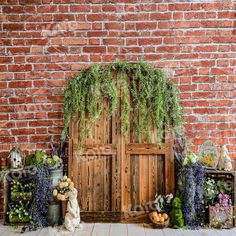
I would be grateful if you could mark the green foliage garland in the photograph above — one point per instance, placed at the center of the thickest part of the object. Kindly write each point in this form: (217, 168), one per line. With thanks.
(143, 89)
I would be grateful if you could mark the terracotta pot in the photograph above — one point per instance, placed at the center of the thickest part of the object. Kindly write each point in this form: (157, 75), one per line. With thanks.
(63, 208)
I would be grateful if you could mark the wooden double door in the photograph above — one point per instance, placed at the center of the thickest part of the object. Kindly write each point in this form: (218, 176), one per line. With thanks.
(117, 177)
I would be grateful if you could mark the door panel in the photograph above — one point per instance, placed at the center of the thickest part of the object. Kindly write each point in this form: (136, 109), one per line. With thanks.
(146, 180)
(116, 175)
(95, 183)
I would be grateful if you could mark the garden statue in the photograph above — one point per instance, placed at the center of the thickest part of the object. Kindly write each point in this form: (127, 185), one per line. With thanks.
(176, 214)
(225, 162)
(72, 217)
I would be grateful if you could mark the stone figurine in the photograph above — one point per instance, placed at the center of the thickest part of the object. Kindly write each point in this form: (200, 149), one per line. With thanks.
(225, 162)
(72, 217)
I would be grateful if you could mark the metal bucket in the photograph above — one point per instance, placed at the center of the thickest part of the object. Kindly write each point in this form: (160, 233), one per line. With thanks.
(54, 213)
(56, 175)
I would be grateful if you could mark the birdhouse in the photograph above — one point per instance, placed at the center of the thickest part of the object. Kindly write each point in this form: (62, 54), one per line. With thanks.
(16, 158)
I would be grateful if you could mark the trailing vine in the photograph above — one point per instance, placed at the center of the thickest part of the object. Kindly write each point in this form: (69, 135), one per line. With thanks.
(143, 89)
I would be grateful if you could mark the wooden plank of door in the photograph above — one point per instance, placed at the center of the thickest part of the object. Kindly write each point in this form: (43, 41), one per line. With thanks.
(152, 177)
(74, 163)
(145, 149)
(143, 179)
(91, 173)
(116, 164)
(99, 149)
(98, 188)
(134, 187)
(107, 183)
(169, 163)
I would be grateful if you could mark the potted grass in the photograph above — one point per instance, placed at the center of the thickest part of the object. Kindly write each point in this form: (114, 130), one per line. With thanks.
(55, 162)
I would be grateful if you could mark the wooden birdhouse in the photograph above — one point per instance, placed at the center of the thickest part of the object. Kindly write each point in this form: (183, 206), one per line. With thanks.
(16, 158)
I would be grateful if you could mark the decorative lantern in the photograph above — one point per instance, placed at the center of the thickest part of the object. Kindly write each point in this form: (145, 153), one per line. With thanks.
(16, 158)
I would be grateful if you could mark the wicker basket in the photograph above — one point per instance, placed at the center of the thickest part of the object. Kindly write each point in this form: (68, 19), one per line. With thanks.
(165, 224)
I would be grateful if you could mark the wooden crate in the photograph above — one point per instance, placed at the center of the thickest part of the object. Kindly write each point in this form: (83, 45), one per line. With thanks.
(227, 176)
(7, 182)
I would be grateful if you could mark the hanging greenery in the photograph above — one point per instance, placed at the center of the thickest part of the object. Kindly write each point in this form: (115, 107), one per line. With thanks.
(143, 89)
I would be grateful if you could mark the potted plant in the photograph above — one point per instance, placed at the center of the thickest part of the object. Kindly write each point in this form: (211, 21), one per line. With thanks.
(19, 212)
(221, 214)
(55, 162)
(21, 191)
(163, 203)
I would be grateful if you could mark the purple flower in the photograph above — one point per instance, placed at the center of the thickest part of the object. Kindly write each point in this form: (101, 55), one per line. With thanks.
(220, 196)
(226, 196)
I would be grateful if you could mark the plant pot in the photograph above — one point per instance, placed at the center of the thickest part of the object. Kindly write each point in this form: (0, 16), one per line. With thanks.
(221, 218)
(162, 225)
(55, 176)
(16, 219)
(63, 208)
(54, 212)
(21, 196)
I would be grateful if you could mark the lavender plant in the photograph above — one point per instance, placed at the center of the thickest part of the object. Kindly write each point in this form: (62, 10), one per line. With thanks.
(43, 190)
(193, 201)
(199, 173)
(189, 197)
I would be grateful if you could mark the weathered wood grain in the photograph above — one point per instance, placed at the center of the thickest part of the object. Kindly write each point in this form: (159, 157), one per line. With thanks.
(117, 174)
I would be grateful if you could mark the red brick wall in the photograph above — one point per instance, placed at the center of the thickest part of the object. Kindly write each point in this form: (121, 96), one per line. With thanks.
(43, 42)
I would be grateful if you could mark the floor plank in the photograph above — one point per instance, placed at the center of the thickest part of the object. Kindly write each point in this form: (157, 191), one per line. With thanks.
(173, 232)
(2, 229)
(85, 230)
(135, 230)
(11, 231)
(50, 231)
(150, 231)
(190, 232)
(101, 229)
(119, 230)
(208, 232)
(225, 232)
(115, 229)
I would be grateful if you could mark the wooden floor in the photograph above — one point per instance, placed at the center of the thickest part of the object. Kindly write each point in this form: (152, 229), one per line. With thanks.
(99, 229)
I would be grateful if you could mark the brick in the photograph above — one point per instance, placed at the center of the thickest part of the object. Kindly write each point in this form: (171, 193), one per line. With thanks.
(160, 16)
(79, 8)
(13, 27)
(114, 26)
(26, 67)
(99, 49)
(20, 84)
(146, 25)
(76, 41)
(150, 41)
